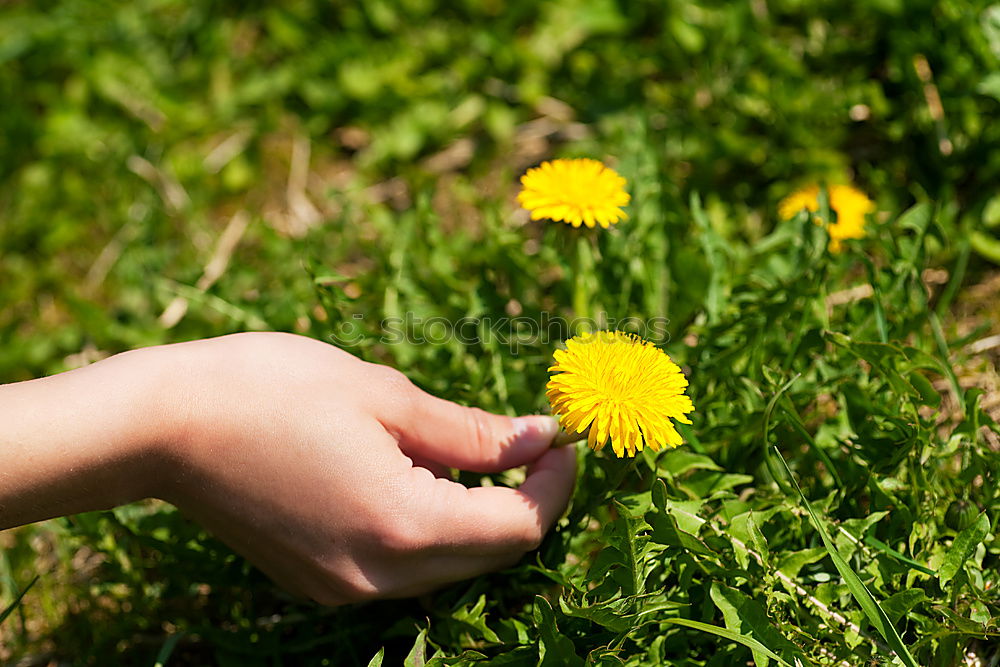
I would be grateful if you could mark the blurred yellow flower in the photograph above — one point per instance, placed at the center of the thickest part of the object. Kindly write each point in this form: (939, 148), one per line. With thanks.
(850, 204)
(577, 192)
(619, 386)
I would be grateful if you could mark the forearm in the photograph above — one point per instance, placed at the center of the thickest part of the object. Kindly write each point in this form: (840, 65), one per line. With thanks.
(79, 441)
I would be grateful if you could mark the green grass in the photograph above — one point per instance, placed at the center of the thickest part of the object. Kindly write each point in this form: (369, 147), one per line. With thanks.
(375, 150)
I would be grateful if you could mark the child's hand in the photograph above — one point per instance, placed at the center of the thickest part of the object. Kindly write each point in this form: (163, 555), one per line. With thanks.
(308, 461)
(322, 469)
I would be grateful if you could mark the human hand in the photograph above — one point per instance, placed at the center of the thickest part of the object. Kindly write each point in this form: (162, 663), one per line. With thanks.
(320, 469)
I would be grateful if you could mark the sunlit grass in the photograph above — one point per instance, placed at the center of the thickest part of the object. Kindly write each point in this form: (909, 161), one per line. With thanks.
(353, 173)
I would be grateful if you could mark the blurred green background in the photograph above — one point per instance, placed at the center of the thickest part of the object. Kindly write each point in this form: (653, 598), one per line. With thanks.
(133, 132)
(172, 170)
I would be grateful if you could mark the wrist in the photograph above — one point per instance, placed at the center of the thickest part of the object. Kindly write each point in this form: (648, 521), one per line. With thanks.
(149, 398)
(83, 440)
(170, 423)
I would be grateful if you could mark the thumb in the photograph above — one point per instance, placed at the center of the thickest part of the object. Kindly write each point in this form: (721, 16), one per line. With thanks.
(469, 438)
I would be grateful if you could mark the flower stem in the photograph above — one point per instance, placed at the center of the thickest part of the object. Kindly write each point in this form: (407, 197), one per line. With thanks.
(564, 438)
(584, 269)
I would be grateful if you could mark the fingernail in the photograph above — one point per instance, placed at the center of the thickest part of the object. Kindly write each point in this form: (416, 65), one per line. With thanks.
(540, 427)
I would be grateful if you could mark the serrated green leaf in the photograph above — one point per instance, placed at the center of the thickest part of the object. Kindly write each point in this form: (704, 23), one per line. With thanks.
(611, 614)
(749, 618)
(618, 614)
(474, 617)
(554, 648)
(627, 534)
(745, 529)
(883, 357)
(666, 531)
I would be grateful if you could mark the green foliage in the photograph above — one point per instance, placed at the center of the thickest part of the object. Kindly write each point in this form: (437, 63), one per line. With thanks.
(876, 615)
(133, 133)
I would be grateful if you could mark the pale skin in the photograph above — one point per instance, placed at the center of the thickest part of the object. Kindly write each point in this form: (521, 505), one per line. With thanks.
(325, 471)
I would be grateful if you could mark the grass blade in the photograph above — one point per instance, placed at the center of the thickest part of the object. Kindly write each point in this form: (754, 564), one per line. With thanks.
(714, 248)
(876, 615)
(725, 633)
(796, 423)
(167, 649)
(942, 346)
(13, 605)
(768, 412)
(906, 560)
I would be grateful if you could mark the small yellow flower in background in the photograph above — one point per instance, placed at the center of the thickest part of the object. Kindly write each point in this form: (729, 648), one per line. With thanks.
(619, 386)
(577, 192)
(850, 204)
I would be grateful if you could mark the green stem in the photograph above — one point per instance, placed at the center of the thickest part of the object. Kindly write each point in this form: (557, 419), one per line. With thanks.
(584, 268)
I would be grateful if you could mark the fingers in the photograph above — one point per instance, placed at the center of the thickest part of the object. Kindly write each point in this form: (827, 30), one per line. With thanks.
(438, 470)
(468, 438)
(491, 521)
(456, 533)
(450, 533)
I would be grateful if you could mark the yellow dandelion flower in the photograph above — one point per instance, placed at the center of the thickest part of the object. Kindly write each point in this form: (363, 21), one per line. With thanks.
(577, 192)
(804, 198)
(850, 204)
(619, 386)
